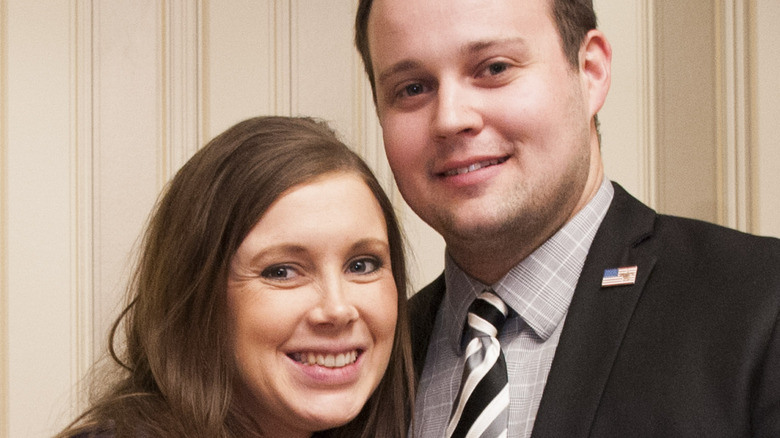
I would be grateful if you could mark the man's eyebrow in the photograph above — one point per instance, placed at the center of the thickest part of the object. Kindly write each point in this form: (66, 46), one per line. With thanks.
(470, 48)
(399, 67)
(478, 46)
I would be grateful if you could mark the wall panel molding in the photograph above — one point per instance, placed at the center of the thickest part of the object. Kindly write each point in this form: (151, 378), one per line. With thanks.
(4, 292)
(281, 41)
(733, 96)
(181, 84)
(648, 151)
(81, 199)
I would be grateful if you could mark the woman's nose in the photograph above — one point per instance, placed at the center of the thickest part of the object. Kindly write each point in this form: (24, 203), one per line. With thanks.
(334, 307)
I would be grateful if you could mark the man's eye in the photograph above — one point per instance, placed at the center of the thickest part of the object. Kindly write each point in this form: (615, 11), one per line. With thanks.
(413, 89)
(279, 273)
(363, 266)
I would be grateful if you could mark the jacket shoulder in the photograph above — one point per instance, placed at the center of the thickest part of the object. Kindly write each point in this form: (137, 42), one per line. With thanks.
(423, 307)
(718, 247)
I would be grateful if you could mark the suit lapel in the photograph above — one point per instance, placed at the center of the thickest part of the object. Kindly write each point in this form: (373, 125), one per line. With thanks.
(597, 320)
(423, 307)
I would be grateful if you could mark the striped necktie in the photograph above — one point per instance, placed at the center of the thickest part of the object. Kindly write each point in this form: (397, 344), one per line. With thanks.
(481, 407)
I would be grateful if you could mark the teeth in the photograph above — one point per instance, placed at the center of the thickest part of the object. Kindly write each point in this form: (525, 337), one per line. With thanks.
(473, 167)
(326, 360)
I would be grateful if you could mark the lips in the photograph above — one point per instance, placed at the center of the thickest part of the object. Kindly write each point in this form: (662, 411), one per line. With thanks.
(327, 360)
(475, 166)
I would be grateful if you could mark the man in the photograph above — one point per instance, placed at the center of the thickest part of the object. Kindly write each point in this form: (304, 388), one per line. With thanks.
(622, 322)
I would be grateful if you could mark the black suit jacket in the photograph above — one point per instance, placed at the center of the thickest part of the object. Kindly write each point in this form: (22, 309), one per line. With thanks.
(692, 349)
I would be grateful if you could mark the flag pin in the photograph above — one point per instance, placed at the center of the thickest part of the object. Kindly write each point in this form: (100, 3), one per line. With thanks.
(619, 276)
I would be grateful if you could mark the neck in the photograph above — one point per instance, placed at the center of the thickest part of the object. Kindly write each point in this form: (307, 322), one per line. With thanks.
(490, 258)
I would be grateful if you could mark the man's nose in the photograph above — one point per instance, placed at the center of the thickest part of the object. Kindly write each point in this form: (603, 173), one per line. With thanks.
(456, 110)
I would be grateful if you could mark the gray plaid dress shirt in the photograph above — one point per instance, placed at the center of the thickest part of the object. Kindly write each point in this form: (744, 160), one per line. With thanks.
(538, 291)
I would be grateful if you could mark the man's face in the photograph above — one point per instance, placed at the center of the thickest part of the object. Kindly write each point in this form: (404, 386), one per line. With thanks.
(486, 125)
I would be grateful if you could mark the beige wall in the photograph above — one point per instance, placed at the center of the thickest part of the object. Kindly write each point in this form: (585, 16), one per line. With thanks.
(686, 59)
(765, 117)
(101, 102)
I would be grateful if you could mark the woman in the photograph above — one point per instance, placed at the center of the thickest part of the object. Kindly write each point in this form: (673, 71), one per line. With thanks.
(262, 303)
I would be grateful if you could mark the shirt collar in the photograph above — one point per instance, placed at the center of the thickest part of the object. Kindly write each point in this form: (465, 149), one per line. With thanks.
(539, 289)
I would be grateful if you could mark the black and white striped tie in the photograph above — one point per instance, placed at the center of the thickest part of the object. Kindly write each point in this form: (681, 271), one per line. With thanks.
(482, 405)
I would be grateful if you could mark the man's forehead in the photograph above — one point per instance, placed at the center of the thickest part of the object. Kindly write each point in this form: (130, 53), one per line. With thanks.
(389, 7)
(396, 15)
(392, 21)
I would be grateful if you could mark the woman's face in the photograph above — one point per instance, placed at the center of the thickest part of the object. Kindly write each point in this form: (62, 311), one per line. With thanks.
(313, 307)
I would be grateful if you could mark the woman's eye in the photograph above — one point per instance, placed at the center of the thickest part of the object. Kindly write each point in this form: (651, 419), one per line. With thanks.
(279, 273)
(364, 266)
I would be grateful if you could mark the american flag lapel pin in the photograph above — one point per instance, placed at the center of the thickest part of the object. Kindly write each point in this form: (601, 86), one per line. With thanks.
(619, 276)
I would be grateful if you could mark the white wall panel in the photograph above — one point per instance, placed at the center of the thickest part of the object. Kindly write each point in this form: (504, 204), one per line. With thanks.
(38, 215)
(129, 158)
(324, 64)
(244, 73)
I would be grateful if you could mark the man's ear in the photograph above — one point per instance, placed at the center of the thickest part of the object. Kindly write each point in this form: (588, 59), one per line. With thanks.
(596, 68)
